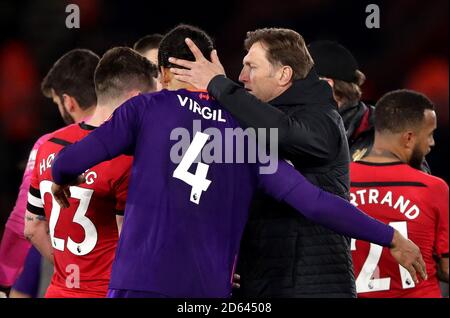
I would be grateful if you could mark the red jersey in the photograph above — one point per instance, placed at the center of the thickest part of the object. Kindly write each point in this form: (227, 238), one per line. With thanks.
(414, 203)
(84, 236)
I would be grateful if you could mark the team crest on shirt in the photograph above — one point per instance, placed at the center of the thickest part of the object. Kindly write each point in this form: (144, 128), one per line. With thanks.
(203, 96)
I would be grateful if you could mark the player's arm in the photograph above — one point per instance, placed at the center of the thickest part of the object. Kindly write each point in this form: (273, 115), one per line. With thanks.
(443, 269)
(116, 136)
(440, 198)
(337, 214)
(36, 228)
(37, 232)
(297, 135)
(120, 193)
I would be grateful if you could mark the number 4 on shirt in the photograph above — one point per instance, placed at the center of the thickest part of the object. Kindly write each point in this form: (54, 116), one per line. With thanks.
(197, 181)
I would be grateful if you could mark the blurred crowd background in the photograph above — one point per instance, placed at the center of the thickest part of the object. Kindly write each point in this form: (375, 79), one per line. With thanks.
(409, 50)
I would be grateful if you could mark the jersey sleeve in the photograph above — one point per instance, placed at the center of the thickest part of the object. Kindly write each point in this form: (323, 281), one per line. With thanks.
(114, 137)
(324, 208)
(35, 203)
(121, 190)
(22, 197)
(441, 197)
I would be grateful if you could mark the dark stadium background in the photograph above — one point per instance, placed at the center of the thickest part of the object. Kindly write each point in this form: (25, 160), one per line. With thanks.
(409, 50)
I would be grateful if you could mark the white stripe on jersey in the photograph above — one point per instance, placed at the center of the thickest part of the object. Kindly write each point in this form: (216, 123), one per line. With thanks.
(37, 202)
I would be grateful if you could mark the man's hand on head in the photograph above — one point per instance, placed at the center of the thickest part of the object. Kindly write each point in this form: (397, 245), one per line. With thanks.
(200, 72)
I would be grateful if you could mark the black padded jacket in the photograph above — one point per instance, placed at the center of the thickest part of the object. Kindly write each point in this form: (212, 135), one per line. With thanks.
(282, 253)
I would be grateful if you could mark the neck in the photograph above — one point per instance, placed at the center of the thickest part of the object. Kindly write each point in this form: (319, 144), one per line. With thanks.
(384, 150)
(104, 110)
(83, 114)
(174, 85)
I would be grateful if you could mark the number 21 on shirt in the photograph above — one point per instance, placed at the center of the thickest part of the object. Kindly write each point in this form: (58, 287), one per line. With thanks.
(366, 282)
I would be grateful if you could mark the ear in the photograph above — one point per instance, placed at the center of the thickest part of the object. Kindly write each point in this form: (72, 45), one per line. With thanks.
(408, 139)
(285, 76)
(166, 77)
(69, 103)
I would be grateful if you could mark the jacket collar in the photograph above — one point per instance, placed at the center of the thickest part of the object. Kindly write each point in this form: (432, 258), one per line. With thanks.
(353, 116)
(310, 90)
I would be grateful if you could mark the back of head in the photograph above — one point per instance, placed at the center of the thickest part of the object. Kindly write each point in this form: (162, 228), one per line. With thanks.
(147, 42)
(401, 110)
(284, 47)
(73, 74)
(122, 70)
(173, 44)
(332, 60)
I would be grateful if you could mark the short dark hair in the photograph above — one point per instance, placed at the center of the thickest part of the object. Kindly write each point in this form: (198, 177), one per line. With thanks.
(121, 69)
(173, 44)
(148, 42)
(285, 47)
(73, 74)
(400, 110)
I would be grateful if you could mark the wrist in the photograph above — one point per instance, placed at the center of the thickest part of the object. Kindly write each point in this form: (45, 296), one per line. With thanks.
(395, 238)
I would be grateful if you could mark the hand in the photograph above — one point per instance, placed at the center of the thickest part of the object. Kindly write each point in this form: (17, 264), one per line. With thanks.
(200, 72)
(407, 254)
(236, 281)
(61, 193)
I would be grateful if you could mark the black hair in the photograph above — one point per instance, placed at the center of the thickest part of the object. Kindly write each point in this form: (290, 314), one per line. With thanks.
(148, 42)
(173, 44)
(401, 109)
(73, 74)
(121, 69)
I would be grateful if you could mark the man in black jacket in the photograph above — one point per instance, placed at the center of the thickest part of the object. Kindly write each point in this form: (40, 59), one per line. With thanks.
(283, 254)
(337, 65)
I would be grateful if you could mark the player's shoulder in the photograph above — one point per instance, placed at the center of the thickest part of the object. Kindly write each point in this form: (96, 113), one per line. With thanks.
(149, 98)
(361, 165)
(169, 95)
(46, 140)
(68, 133)
(37, 145)
(41, 140)
(433, 182)
(144, 101)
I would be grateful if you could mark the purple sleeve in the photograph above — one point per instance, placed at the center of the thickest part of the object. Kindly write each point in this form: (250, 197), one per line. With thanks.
(324, 208)
(28, 281)
(114, 137)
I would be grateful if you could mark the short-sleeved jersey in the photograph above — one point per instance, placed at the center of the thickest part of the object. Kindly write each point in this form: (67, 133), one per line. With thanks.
(414, 203)
(84, 236)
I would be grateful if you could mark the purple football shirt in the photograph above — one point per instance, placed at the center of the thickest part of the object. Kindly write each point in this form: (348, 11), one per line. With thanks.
(184, 221)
